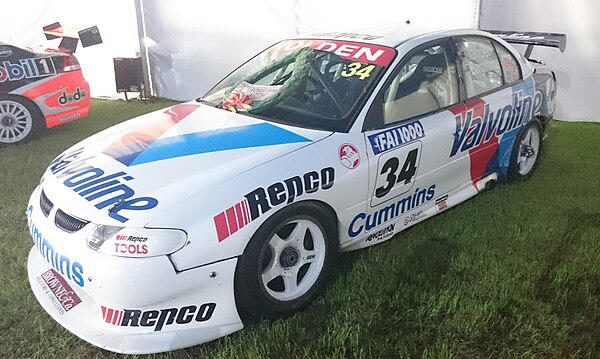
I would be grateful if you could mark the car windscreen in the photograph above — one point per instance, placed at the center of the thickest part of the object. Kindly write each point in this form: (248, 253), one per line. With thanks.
(319, 84)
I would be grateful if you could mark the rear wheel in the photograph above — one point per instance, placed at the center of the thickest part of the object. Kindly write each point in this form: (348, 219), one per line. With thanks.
(19, 120)
(287, 262)
(526, 151)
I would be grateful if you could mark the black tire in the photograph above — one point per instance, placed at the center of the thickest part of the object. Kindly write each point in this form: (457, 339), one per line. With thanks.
(295, 249)
(20, 119)
(526, 151)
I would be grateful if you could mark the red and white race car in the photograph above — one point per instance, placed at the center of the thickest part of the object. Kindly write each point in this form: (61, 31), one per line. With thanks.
(178, 227)
(42, 88)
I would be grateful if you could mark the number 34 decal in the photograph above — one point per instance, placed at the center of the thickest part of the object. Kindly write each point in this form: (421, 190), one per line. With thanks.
(396, 172)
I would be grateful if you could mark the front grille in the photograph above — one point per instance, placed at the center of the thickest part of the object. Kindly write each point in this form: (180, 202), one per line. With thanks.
(68, 223)
(45, 204)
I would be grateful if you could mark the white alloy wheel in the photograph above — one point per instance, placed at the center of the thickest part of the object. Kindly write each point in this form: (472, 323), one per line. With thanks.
(287, 262)
(16, 121)
(529, 147)
(293, 259)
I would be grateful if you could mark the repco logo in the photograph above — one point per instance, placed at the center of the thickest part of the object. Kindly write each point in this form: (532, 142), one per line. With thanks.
(66, 98)
(158, 318)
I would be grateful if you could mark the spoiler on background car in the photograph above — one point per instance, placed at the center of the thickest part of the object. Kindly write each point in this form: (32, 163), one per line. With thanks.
(70, 38)
(532, 39)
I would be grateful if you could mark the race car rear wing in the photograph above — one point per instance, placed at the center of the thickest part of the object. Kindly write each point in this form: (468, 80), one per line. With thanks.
(532, 39)
(70, 37)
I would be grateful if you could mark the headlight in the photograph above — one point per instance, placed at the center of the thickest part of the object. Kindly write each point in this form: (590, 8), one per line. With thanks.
(135, 242)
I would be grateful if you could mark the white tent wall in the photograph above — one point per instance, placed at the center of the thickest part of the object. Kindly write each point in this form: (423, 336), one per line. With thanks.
(192, 44)
(21, 22)
(577, 68)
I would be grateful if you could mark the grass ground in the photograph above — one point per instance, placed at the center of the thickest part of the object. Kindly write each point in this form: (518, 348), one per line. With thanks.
(512, 273)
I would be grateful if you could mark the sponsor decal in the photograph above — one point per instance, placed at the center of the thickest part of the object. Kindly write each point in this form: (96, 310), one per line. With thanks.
(396, 137)
(382, 234)
(488, 134)
(5, 51)
(349, 35)
(59, 292)
(144, 144)
(124, 248)
(520, 36)
(363, 222)
(262, 200)
(232, 219)
(27, 69)
(131, 248)
(98, 187)
(474, 129)
(413, 217)
(121, 237)
(353, 51)
(442, 202)
(158, 318)
(64, 265)
(67, 98)
(349, 156)
(72, 117)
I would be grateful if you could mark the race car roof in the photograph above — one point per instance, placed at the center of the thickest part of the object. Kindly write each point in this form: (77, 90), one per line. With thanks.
(386, 35)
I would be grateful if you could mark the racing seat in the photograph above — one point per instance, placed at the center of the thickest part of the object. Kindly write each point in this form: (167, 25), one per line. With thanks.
(414, 95)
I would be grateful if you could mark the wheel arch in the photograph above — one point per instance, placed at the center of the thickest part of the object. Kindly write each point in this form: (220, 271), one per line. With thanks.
(332, 218)
(29, 102)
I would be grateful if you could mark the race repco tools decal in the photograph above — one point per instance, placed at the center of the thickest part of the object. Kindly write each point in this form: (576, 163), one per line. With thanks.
(396, 137)
(27, 69)
(366, 222)
(131, 248)
(59, 292)
(100, 188)
(72, 270)
(160, 317)
(261, 200)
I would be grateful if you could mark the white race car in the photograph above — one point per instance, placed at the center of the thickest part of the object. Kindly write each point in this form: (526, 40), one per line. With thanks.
(175, 228)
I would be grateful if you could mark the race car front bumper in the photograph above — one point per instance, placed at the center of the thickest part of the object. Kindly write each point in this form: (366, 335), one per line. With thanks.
(128, 305)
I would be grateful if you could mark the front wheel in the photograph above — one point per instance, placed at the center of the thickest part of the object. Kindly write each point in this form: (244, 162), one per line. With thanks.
(526, 151)
(19, 120)
(287, 262)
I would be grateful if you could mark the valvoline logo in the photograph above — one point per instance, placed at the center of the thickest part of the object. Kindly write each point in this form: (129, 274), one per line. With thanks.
(99, 187)
(66, 98)
(473, 130)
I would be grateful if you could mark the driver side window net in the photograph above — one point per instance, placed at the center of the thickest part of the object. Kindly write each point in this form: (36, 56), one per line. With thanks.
(426, 82)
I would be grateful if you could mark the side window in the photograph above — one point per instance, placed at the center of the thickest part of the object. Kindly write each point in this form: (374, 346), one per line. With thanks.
(510, 65)
(424, 82)
(479, 64)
